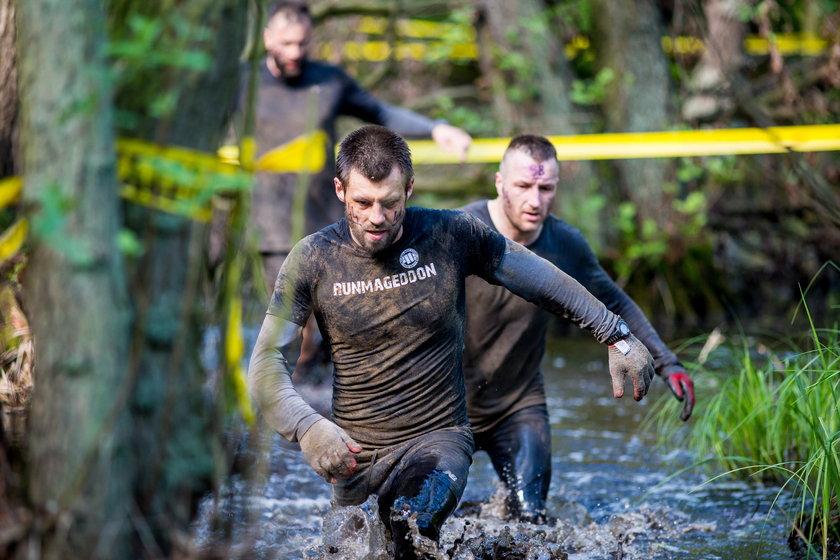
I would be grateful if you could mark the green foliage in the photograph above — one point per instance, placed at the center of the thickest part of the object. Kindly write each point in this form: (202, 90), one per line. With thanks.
(647, 243)
(478, 123)
(587, 214)
(774, 413)
(128, 243)
(594, 91)
(453, 36)
(153, 58)
(574, 14)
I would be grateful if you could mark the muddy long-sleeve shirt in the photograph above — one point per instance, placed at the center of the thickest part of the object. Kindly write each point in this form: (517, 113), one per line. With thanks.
(287, 109)
(505, 337)
(394, 322)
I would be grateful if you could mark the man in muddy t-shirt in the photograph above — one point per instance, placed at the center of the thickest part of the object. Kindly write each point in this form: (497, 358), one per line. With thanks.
(386, 286)
(505, 338)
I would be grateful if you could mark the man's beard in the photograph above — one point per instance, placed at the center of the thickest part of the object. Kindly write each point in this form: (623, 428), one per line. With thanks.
(373, 246)
(284, 72)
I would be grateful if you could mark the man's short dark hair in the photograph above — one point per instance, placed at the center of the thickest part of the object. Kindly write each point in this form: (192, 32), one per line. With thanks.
(538, 147)
(373, 151)
(295, 11)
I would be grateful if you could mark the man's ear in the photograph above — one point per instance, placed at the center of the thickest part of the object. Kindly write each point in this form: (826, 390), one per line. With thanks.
(499, 183)
(339, 189)
(409, 189)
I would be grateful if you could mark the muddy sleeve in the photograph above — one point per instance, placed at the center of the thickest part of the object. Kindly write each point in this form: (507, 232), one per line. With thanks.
(269, 376)
(597, 281)
(533, 278)
(359, 103)
(270, 380)
(292, 296)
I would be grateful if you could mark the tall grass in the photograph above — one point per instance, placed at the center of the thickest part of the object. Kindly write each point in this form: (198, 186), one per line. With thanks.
(775, 413)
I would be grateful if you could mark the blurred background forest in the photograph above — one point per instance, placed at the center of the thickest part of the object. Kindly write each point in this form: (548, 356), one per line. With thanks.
(115, 284)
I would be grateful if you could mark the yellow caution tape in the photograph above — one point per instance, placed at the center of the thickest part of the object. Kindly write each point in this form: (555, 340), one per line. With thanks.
(787, 43)
(182, 206)
(304, 154)
(418, 28)
(12, 239)
(10, 190)
(465, 48)
(234, 352)
(187, 190)
(174, 179)
(679, 143)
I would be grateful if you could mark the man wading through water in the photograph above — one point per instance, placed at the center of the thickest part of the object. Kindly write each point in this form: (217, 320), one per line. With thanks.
(505, 338)
(399, 426)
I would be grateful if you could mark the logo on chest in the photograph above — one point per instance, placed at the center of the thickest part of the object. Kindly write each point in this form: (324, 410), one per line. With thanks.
(409, 259)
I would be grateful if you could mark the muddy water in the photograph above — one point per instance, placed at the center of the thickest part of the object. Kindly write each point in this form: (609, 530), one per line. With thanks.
(610, 494)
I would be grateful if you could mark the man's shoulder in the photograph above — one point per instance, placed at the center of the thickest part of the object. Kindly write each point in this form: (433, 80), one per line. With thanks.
(560, 227)
(429, 216)
(477, 208)
(559, 232)
(317, 72)
(455, 223)
(325, 239)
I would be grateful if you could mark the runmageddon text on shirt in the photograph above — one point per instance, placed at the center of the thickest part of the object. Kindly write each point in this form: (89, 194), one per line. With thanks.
(385, 283)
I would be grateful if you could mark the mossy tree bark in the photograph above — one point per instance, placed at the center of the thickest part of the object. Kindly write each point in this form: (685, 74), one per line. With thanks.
(627, 36)
(74, 282)
(711, 87)
(8, 89)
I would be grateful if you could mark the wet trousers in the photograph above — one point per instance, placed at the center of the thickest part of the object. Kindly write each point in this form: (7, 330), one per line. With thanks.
(520, 450)
(422, 479)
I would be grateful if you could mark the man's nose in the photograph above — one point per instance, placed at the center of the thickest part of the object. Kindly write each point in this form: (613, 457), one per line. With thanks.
(533, 198)
(376, 216)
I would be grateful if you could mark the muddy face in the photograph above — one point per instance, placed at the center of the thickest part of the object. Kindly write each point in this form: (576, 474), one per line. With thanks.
(526, 190)
(374, 210)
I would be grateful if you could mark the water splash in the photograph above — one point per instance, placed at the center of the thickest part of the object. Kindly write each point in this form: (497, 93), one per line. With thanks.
(352, 533)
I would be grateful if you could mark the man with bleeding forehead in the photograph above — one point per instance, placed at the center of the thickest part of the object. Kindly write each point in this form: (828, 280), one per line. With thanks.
(400, 427)
(505, 337)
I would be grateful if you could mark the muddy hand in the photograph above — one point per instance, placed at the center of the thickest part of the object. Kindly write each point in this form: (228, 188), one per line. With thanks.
(683, 388)
(329, 450)
(629, 358)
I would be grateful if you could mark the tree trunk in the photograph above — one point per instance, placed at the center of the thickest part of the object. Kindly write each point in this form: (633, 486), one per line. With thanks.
(627, 37)
(176, 426)
(8, 89)
(74, 282)
(711, 84)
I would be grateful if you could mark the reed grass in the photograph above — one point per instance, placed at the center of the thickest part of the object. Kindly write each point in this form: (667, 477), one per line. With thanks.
(773, 411)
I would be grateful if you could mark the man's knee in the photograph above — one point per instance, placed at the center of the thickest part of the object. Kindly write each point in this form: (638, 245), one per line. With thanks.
(420, 508)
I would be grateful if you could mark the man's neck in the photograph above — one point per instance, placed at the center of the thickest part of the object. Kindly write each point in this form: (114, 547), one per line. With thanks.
(505, 227)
